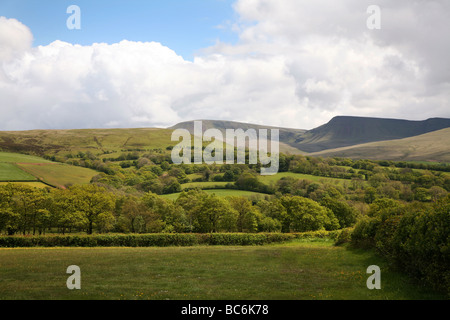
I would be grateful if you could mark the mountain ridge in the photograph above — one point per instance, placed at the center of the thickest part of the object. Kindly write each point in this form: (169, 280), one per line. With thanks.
(340, 131)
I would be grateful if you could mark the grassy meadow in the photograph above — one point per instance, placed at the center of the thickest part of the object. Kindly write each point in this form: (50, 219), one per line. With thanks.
(10, 172)
(274, 178)
(20, 158)
(222, 193)
(301, 269)
(59, 175)
(24, 169)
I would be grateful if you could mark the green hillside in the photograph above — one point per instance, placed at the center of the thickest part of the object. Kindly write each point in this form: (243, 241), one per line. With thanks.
(97, 141)
(433, 146)
(24, 169)
(348, 131)
(340, 132)
(59, 175)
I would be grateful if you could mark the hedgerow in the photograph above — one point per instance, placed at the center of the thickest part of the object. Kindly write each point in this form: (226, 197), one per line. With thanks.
(145, 240)
(414, 239)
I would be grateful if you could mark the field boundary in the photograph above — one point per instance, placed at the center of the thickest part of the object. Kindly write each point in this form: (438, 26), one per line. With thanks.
(158, 239)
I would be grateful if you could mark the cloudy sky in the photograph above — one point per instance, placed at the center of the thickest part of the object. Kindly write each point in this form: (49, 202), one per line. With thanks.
(286, 63)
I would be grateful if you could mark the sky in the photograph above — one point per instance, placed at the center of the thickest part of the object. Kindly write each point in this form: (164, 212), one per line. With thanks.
(284, 63)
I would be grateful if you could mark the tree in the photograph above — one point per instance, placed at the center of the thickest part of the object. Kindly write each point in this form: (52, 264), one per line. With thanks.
(208, 213)
(137, 214)
(247, 214)
(173, 216)
(95, 205)
(437, 193)
(345, 213)
(307, 215)
(275, 210)
(63, 213)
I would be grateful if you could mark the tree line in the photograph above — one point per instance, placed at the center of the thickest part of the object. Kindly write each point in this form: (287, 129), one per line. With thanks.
(92, 208)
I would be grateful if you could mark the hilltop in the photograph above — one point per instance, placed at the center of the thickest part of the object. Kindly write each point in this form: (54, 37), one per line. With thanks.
(433, 146)
(345, 131)
(342, 136)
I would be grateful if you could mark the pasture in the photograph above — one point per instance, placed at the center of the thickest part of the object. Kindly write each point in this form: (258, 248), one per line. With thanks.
(59, 175)
(10, 172)
(20, 158)
(276, 177)
(223, 193)
(297, 270)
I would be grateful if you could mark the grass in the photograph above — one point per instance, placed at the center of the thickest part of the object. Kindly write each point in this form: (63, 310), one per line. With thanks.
(274, 178)
(291, 271)
(10, 172)
(22, 158)
(222, 193)
(204, 185)
(60, 175)
(38, 185)
(97, 141)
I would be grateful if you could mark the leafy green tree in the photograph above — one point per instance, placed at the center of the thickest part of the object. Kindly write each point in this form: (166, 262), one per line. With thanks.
(247, 214)
(307, 215)
(422, 194)
(137, 214)
(345, 213)
(172, 215)
(208, 213)
(95, 205)
(275, 210)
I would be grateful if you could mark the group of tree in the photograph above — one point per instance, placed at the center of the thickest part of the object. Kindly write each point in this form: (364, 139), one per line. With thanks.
(92, 208)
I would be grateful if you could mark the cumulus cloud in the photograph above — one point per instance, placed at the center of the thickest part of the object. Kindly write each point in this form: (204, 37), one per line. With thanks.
(296, 64)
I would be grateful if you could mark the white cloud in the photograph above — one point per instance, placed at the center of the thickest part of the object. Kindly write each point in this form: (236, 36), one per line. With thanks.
(297, 64)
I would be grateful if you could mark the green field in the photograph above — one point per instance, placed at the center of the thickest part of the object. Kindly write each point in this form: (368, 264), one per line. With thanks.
(222, 193)
(38, 185)
(274, 178)
(10, 172)
(60, 175)
(204, 185)
(20, 158)
(291, 271)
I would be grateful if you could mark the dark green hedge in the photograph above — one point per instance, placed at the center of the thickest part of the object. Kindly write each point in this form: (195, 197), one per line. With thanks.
(144, 240)
(416, 241)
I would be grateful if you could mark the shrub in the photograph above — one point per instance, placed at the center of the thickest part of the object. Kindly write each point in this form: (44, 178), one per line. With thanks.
(144, 240)
(416, 241)
(345, 236)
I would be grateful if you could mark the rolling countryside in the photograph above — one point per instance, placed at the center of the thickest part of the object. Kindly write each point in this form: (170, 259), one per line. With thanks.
(119, 189)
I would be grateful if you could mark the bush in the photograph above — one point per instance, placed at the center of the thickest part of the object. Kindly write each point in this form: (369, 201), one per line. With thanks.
(345, 236)
(145, 240)
(416, 241)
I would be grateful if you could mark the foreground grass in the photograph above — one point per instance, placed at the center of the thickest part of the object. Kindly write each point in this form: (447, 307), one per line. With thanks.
(295, 270)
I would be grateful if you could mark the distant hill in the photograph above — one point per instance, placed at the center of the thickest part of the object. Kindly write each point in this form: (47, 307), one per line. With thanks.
(41, 142)
(287, 135)
(342, 136)
(345, 131)
(432, 146)
(341, 131)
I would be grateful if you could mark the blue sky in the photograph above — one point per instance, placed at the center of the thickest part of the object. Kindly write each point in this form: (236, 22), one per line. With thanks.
(184, 26)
